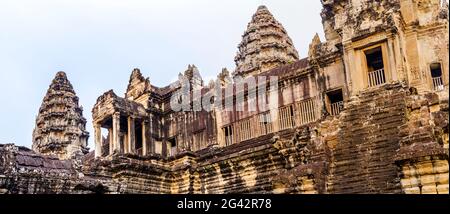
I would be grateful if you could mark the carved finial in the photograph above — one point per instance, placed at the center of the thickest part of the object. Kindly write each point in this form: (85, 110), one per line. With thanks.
(136, 72)
(262, 7)
(316, 39)
(313, 46)
(138, 85)
(224, 77)
(61, 74)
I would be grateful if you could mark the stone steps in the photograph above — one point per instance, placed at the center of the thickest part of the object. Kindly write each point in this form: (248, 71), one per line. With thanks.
(362, 161)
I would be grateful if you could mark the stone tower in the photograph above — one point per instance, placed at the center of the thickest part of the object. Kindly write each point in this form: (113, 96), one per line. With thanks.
(265, 45)
(193, 75)
(60, 126)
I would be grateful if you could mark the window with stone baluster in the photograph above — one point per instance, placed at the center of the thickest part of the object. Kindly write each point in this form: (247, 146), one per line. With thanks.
(436, 76)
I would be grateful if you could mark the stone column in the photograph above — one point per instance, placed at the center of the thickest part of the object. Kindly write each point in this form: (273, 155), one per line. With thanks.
(151, 148)
(275, 120)
(98, 140)
(401, 71)
(255, 123)
(392, 63)
(111, 142)
(125, 142)
(131, 135)
(218, 123)
(350, 67)
(144, 139)
(412, 58)
(116, 131)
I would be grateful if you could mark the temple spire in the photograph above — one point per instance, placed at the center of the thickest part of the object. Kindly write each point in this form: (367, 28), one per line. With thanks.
(265, 45)
(60, 126)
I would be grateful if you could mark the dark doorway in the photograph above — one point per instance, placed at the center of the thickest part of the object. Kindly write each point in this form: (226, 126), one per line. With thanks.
(374, 59)
(375, 67)
(228, 131)
(436, 76)
(172, 146)
(335, 102)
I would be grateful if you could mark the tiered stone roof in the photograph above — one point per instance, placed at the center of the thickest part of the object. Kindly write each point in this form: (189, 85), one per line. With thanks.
(265, 45)
(60, 126)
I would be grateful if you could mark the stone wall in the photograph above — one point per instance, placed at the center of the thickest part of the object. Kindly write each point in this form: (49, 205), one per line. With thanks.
(362, 161)
(24, 172)
(423, 153)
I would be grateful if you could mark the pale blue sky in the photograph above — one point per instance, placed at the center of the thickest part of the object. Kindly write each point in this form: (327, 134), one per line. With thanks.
(98, 43)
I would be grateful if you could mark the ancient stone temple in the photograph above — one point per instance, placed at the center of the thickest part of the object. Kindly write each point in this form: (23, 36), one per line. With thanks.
(365, 112)
(60, 126)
